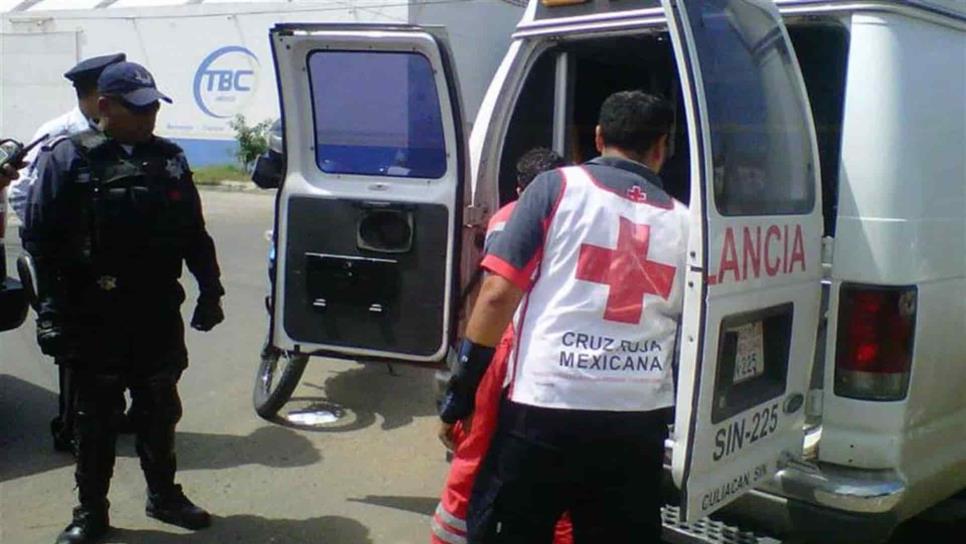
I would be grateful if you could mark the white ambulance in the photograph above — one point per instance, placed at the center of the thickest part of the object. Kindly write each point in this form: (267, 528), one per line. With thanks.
(821, 147)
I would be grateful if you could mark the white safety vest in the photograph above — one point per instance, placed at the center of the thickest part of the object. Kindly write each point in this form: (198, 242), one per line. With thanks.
(597, 329)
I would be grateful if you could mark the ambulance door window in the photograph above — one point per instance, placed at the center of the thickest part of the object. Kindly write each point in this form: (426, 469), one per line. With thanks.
(531, 124)
(385, 125)
(759, 126)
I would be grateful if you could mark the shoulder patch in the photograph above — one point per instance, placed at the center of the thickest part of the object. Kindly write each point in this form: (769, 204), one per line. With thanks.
(176, 166)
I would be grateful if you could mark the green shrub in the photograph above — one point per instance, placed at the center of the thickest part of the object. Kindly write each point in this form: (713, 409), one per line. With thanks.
(252, 140)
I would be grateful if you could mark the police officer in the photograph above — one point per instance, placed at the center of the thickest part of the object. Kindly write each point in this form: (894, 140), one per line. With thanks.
(597, 251)
(82, 117)
(113, 216)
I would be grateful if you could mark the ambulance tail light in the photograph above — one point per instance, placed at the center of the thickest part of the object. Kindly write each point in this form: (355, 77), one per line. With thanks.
(876, 332)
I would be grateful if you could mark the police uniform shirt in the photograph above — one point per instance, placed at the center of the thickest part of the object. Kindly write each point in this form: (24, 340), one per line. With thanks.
(123, 299)
(599, 250)
(72, 122)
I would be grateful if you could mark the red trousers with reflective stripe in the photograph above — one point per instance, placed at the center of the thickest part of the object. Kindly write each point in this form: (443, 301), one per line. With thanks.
(449, 521)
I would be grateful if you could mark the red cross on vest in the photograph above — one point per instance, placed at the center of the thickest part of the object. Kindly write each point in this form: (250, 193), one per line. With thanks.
(626, 271)
(635, 194)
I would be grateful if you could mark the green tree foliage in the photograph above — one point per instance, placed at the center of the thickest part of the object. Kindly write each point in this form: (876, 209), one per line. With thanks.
(252, 140)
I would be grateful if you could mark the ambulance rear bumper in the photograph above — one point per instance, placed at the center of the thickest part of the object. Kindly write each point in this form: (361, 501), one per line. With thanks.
(830, 505)
(823, 502)
(840, 488)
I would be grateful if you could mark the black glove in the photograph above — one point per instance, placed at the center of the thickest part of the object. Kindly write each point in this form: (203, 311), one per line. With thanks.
(208, 313)
(51, 337)
(472, 361)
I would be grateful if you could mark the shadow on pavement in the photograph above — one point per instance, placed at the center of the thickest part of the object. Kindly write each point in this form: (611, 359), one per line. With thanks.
(352, 399)
(417, 505)
(271, 446)
(26, 410)
(256, 530)
(25, 414)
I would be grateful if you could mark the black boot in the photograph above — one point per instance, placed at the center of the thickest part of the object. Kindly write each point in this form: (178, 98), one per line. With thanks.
(88, 525)
(174, 508)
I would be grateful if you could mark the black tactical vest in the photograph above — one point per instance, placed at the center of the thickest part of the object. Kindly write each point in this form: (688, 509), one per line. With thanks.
(138, 219)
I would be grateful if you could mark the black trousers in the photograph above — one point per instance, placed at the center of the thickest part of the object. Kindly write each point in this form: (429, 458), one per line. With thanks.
(63, 425)
(602, 467)
(98, 402)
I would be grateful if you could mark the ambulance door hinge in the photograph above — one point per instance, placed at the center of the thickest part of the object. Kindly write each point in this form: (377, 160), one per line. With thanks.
(828, 251)
(474, 216)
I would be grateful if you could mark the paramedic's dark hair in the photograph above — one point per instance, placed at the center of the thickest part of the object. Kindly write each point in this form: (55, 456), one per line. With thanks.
(634, 120)
(534, 162)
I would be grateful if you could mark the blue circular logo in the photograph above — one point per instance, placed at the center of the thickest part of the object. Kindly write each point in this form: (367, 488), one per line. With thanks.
(226, 81)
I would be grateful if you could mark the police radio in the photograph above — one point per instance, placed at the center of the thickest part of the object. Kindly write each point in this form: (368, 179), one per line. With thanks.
(12, 152)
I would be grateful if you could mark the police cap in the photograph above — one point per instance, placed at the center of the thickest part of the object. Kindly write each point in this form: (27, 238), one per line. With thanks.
(130, 82)
(87, 71)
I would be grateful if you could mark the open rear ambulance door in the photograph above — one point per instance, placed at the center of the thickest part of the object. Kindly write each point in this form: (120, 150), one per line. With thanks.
(752, 291)
(369, 211)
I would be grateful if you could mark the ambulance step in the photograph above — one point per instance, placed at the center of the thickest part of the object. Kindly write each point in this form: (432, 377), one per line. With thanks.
(705, 531)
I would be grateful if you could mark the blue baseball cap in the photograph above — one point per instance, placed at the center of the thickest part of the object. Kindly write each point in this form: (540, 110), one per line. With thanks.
(130, 82)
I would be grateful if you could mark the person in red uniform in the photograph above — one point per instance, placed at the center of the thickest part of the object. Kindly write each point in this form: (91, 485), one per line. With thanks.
(590, 270)
(469, 445)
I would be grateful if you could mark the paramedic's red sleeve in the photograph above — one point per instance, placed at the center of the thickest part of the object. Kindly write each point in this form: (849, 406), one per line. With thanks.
(517, 251)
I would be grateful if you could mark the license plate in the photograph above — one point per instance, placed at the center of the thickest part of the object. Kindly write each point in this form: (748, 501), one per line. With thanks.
(750, 355)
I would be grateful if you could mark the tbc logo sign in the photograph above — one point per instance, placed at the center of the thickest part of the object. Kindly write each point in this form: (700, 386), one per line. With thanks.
(226, 80)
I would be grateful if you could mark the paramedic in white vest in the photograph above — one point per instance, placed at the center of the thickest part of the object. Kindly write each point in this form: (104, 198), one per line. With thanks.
(589, 268)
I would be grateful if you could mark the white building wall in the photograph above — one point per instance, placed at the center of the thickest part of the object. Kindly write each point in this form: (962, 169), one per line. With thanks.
(479, 33)
(173, 43)
(213, 59)
(30, 90)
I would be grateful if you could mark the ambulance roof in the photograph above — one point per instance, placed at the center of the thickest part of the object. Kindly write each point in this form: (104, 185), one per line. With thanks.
(546, 10)
(35, 6)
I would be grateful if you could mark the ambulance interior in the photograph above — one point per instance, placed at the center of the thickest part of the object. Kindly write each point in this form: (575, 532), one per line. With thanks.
(597, 66)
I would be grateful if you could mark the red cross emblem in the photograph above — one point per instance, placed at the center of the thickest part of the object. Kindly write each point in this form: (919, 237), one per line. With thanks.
(635, 194)
(626, 271)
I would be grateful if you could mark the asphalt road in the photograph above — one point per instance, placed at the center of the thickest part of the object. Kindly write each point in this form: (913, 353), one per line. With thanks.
(372, 476)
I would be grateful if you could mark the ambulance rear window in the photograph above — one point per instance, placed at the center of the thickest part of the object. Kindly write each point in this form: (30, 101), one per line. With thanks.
(376, 114)
(762, 153)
